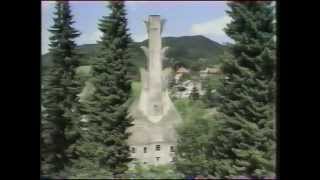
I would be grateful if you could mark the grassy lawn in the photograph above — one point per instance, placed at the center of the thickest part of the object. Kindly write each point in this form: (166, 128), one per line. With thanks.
(190, 110)
(213, 80)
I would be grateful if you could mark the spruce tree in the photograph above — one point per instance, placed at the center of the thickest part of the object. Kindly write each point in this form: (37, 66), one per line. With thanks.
(103, 144)
(59, 94)
(208, 97)
(194, 95)
(192, 146)
(244, 143)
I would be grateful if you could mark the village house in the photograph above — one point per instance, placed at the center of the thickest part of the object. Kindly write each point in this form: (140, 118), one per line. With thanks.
(180, 72)
(207, 71)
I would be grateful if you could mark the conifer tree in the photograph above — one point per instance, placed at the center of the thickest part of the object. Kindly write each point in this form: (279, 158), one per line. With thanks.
(244, 143)
(192, 146)
(208, 97)
(59, 94)
(194, 93)
(103, 141)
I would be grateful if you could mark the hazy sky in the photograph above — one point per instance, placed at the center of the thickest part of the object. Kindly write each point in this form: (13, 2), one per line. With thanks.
(183, 18)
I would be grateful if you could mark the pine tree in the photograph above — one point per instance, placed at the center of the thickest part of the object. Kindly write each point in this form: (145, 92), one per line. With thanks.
(194, 93)
(59, 94)
(103, 146)
(192, 146)
(208, 98)
(244, 143)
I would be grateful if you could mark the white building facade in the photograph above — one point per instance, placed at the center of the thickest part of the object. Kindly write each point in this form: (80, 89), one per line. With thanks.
(153, 137)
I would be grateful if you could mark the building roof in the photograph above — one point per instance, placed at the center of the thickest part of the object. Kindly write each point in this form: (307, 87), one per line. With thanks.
(182, 70)
(146, 132)
(211, 70)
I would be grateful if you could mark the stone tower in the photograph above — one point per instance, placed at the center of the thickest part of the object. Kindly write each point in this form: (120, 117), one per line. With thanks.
(153, 136)
(155, 65)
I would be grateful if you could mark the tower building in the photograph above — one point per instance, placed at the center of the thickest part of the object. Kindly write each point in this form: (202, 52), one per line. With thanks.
(153, 136)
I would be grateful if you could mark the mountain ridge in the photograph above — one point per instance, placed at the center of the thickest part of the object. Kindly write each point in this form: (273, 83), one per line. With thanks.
(189, 51)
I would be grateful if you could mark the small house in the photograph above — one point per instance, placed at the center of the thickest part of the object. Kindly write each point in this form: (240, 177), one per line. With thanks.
(180, 72)
(207, 71)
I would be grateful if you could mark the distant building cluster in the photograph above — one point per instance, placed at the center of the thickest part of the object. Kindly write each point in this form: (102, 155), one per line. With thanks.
(180, 72)
(209, 71)
(184, 87)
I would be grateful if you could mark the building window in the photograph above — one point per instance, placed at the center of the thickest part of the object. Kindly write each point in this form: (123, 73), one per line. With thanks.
(171, 148)
(145, 149)
(158, 158)
(155, 107)
(133, 149)
(157, 147)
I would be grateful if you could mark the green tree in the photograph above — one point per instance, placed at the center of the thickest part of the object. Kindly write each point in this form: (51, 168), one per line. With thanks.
(210, 83)
(59, 91)
(193, 138)
(209, 98)
(103, 146)
(195, 65)
(192, 147)
(244, 143)
(142, 171)
(194, 95)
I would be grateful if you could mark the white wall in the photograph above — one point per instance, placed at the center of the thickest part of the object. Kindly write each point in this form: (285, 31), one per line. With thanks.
(166, 156)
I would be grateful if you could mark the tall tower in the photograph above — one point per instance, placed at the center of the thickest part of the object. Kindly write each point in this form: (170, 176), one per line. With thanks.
(153, 136)
(154, 66)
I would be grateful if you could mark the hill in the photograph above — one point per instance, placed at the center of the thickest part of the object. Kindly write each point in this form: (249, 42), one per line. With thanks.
(193, 52)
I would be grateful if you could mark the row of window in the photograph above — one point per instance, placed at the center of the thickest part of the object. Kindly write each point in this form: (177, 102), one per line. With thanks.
(157, 148)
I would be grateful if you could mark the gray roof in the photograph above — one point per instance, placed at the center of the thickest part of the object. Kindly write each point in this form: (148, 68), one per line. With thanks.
(147, 132)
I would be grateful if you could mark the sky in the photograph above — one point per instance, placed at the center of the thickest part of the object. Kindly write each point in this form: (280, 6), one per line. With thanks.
(183, 18)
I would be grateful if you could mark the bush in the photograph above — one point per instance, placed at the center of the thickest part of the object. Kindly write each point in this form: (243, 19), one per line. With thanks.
(153, 172)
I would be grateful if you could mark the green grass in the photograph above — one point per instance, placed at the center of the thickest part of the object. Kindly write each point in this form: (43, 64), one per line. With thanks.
(214, 80)
(190, 110)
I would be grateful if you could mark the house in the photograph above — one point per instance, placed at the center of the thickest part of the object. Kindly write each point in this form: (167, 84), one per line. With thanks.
(180, 72)
(207, 71)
